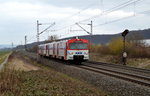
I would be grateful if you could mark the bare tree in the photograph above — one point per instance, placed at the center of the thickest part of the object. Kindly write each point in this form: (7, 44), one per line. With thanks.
(52, 38)
(136, 38)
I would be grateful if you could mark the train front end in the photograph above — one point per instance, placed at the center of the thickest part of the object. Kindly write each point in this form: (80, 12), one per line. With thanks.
(78, 50)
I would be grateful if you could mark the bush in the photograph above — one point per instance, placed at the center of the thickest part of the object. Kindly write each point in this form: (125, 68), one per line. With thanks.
(116, 46)
(138, 51)
(95, 48)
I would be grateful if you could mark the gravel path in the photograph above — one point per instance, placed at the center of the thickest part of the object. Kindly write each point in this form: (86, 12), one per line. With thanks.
(112, 86)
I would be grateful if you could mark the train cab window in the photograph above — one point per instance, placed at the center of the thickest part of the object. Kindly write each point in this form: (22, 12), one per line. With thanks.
(78, 46)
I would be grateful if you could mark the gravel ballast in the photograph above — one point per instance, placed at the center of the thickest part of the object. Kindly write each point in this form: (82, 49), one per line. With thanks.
(110, 85)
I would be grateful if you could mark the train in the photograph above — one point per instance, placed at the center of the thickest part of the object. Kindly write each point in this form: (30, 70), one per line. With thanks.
(70, 50)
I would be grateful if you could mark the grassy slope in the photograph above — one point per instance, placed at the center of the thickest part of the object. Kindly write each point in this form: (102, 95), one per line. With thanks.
(3, 55)
(134, 62)
(44, 82)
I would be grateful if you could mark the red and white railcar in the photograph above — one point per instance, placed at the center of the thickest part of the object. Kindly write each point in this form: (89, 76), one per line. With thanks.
(42, 49)
(72, 49)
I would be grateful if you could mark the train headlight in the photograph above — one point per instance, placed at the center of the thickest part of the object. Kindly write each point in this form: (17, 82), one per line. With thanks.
(70, 53)
(85, 53)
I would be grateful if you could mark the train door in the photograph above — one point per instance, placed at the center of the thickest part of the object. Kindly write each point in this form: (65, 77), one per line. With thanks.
(47, 50)
(53, 50)
(57, 50)
(65, 50)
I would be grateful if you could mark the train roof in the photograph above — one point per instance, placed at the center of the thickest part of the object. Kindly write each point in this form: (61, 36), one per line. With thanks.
(70, 40)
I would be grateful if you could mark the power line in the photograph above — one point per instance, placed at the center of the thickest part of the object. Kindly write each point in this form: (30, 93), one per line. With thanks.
(127, 3)
(112, 9)
(144, 12)
(47, 28)
(89, 6)
(33, 37)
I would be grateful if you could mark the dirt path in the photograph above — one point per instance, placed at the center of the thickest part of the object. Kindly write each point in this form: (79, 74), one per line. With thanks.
(5, 61)
(18, 62)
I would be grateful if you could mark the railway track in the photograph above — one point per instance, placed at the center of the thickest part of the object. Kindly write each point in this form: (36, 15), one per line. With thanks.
(139, 79)
(135, 75)
(145, 71)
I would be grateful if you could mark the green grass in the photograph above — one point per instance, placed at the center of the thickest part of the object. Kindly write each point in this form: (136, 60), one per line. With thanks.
(3, 55)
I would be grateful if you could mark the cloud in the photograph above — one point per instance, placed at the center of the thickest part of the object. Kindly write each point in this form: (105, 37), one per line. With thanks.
(28, 10)
(18, 17)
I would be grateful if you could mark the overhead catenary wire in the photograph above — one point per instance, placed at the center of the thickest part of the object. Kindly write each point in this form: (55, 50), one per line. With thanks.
(105, 12)
(143, 12)
(31, 38)
(47, 28)
(122, 5)
(82, 10)
(112, 9)
(89, 6)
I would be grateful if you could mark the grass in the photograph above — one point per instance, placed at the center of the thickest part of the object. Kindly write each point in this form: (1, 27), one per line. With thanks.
(43, 82)
(104, 58)
(3, 55)
(139, 62)
(147, 67)
(134, 62)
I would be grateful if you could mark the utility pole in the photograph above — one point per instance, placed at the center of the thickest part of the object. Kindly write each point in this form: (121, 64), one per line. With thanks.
(91, 24)
(25, 43)
(38, 31)
(91, 31)
(12, 45)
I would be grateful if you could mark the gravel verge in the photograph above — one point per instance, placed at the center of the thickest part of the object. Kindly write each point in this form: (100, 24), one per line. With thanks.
(110, 85)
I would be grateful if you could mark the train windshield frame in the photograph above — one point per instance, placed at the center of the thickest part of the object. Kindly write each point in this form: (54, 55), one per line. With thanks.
(78, 46)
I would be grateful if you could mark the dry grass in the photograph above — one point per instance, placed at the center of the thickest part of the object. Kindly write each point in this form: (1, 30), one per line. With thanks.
(3, 55)
(138, 54)
(10, 83)
(139, 62)
(134, 62)
(104, 58)
(43, 82)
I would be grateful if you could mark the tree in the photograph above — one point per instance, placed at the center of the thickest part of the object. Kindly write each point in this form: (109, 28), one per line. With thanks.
(136, 39)
(115, 46)
(52, 38)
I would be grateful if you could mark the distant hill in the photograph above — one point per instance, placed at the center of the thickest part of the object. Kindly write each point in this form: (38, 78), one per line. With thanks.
(100, 39)
(4, 46)
(104, 39)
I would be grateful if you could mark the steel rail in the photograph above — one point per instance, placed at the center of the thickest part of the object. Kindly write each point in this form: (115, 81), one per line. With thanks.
(135, 79)
(119, 66)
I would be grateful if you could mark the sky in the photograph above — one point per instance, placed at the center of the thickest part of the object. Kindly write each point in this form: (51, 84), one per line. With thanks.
(18, 18)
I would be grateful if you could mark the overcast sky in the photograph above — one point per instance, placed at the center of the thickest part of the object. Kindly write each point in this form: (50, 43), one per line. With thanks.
(18, 17)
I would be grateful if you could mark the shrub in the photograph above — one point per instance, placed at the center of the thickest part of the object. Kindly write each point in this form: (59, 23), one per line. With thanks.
(138, 51)
(95, 48)
(116, 46)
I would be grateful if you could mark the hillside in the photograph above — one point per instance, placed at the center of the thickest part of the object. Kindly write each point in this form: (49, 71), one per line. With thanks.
(101, 39)
(5, 46)
(104, 39)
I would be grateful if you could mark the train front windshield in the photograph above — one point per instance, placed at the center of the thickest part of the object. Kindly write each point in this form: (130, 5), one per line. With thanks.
(78, 46)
